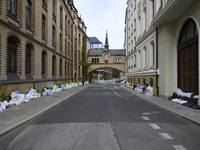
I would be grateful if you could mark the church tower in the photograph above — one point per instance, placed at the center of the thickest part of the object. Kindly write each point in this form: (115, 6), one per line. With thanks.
(106, 42)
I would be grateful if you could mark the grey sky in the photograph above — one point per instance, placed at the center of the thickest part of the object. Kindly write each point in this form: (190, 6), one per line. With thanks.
(101, 16)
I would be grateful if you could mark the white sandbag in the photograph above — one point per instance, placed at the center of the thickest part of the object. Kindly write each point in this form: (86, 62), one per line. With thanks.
(3, 106)
(183, 94)
(14, 95)
(179, 101)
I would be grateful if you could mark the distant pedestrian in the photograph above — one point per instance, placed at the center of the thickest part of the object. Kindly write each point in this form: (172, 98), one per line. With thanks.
(83, 81)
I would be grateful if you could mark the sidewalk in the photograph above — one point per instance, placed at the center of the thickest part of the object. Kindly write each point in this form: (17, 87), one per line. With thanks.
(183, 111)
(17, 115)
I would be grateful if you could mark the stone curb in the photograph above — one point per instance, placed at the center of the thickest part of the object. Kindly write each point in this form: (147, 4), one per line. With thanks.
(6, 130)
(179, 114)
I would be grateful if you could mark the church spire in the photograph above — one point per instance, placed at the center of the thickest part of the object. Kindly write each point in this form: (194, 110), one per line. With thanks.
(106, 42)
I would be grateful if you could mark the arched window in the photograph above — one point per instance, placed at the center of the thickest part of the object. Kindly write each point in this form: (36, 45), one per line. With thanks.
(60, 66)
(65, 68)
(139, 55)
(144, 57)
(139, 26)
(144, 19)
(188, 31)
(188, 60)
(152, 53)
(114, 60)
(44, 63)
(54, 65)
(68, 69)
(11, 55)
(106, 58)
(28, 59)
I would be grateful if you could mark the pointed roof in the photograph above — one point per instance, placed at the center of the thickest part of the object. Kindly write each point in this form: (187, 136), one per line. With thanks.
(106, 42)
(71, 2)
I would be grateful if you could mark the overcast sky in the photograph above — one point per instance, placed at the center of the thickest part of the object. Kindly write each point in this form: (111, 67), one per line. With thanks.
(104, 15)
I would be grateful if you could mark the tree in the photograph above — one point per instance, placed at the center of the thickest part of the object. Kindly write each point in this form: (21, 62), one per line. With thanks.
(116, 73)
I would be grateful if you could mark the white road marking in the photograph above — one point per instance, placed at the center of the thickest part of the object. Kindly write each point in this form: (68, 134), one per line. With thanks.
(179, 147)
(145, 118)
(166, 136)
(154, 126)
(146, 113)
(116, 93)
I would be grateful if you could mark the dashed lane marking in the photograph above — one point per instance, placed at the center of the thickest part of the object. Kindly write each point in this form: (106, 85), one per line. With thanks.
(166, 136)
(116, 93)
(145, 118)
(146, 113)
(154, 126)
(179, 147)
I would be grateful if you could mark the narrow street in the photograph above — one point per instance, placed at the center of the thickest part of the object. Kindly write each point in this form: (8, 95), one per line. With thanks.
(104, 117)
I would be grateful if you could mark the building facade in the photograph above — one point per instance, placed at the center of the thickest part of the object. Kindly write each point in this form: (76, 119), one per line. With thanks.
(163, 44)
(41, 43)
(103, 59)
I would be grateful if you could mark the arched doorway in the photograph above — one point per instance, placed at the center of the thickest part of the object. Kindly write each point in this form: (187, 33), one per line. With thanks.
(188, 68)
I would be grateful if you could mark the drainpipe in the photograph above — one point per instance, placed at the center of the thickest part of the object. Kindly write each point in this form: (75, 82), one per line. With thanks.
(157, 62)
(72, 52)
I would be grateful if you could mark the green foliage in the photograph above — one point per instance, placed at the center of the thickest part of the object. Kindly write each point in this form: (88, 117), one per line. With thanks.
(116, 73)
(4, 96)
(33, 86)
(85, 66)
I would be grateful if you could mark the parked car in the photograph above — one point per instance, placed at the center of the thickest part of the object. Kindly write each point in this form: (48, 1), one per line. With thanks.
(117, 81)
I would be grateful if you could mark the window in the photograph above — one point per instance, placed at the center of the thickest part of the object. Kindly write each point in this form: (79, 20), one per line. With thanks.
(97, 60)
(43, 26)
(54, 9)
(144, 19)
(152, 53)
(11, 55)
(60, 42)
(114, 60)
(28, 59)
(120, 60)
(53, 65)
(65, 46)
(61, 16)
(139, 55)
(28, 13)
(134, 61)
(68, 70)
(61, 67)
(106, 58)
(139, 26)
(144, 57)
(44, 4)
(12, 7)
(65, 68)
(66, 24)
(44, 63)
(117, 60)
(53, 36)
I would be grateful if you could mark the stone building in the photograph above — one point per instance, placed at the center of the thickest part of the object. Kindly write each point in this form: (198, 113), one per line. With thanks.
(41, 44)
(103, 59)
(162, 43)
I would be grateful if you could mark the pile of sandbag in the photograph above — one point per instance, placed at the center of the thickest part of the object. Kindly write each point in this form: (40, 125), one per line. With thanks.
(86, 82)
(17, 98)
(4, 105)
(187, 99)
(149, 91)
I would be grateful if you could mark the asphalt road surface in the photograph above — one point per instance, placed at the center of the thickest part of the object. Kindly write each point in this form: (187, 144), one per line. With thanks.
(104, 117)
